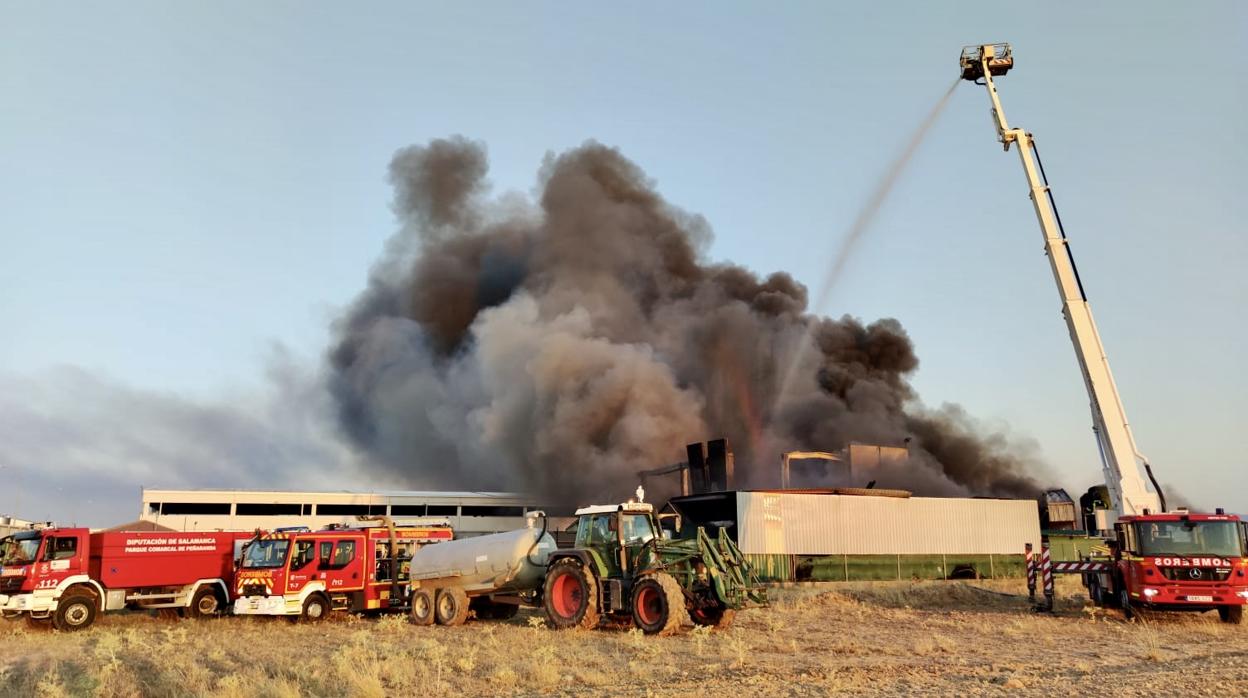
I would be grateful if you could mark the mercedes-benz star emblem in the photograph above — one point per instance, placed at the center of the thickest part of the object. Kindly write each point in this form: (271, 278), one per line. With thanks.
(1195, 573)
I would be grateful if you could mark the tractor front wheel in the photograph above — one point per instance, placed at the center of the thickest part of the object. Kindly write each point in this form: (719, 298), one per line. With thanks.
(717, 616)
(659, 605)
(570, 595)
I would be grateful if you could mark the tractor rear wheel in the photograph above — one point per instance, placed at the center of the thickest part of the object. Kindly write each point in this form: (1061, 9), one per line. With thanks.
(1231, 614)
(571, 595)
(422, 607)
(659, 605)
(452, 606)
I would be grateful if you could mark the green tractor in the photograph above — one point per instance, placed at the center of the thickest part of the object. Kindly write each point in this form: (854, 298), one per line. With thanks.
(624, 565)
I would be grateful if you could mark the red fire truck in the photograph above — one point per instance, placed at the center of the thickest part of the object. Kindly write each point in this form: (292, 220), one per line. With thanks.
(66, 576)
(1175, 561)
(308, 574)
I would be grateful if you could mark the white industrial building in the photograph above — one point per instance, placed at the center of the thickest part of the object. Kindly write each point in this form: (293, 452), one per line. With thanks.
(10, 524)
(469, 513)
(795, 523)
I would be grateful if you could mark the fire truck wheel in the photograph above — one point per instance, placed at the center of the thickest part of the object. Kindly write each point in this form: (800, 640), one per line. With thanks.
(1231, 614)
(452, 606)
(1124, 602)
(1095, 592)
(659, 605)
(74, 612)
(422, 607)
(206, 603)
(316, 608)
(571, 595)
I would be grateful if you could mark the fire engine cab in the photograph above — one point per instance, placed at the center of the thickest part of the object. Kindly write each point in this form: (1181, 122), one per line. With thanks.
(308, 574)
(1176, 561)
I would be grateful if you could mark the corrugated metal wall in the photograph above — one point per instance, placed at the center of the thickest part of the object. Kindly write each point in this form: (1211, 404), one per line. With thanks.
(826, 524)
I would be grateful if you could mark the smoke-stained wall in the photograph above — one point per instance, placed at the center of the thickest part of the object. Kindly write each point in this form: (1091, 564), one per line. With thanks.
(560, 345)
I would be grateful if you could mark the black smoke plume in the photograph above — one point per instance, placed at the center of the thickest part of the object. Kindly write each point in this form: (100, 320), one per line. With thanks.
(558, 346)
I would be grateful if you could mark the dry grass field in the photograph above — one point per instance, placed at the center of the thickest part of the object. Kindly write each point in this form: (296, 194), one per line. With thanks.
(867, 638)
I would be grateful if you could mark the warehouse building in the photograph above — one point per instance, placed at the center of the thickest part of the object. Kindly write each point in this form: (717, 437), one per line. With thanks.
(12, 524)
(469, 513)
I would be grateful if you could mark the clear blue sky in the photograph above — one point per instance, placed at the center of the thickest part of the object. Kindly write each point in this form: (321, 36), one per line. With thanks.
(183, 185)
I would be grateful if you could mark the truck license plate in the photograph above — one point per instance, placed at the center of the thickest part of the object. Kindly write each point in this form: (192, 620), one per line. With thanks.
(1206, 599)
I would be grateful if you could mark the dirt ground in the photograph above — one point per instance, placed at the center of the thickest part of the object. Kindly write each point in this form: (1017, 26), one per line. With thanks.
(943, 638)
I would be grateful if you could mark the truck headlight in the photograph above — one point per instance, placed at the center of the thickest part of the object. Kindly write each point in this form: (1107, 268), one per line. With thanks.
(1242, 594)
(1150, 593)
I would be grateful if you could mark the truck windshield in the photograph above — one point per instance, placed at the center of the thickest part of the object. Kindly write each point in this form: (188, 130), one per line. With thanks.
(18, 551)
(1220, 538)
(263, 554)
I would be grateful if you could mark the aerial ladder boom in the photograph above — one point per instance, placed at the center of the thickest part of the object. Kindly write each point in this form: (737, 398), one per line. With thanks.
(1121, 460)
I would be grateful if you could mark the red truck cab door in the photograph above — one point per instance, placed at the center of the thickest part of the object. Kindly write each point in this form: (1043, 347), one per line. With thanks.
(340, 563)
(302, 567)
(63, 554)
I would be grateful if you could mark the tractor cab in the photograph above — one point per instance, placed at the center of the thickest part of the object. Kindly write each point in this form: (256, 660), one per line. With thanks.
(617, 532)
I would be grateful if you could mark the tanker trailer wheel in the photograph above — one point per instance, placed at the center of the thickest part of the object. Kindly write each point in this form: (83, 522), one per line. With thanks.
(315, 608)
(571, 595)
(206, 603)
(422, 607)
(659, 605)
(452, 606)
(1231, 614)
(74, 612)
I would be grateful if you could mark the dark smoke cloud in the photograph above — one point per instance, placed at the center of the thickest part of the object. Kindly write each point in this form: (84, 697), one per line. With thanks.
(561, 345)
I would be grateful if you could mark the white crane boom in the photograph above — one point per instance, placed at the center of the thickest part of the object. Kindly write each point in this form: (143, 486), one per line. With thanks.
(1121, 460)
